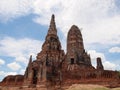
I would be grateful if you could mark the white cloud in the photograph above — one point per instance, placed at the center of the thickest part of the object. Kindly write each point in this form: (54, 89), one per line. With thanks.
(95, 54)
(3, 73)
(19, 49)
(2, 62)
(103, 31)
(22, 71)
(14, 66)
(98, 18)
(10, 9)
(114, 50)
(107, 64)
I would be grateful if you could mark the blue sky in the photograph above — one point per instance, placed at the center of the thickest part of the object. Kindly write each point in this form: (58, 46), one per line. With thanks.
(24, 25)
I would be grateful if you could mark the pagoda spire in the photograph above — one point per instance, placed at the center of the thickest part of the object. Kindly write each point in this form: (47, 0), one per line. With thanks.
(30, 61)
(52, 27)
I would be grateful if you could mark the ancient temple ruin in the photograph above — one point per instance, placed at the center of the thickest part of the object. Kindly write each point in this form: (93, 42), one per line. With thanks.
(54, 68)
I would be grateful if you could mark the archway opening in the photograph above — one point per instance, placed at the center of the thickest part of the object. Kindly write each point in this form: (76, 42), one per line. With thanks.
(72, 61)
(34, 76)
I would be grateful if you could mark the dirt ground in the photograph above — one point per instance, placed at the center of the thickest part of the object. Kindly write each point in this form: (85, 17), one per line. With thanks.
(73, 87)
(89, 87)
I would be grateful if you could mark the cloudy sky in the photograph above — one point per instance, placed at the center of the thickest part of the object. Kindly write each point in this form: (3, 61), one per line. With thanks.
(24, 25)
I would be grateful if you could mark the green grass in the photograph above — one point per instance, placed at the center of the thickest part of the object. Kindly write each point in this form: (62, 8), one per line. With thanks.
(116, 89)
(103, 88)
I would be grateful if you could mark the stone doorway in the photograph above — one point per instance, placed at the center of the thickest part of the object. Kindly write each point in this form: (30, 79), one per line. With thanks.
(72, 61)
(34, 76)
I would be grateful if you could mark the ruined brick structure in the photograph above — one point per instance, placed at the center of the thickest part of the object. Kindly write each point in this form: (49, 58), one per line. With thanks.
(76, 54)
(53, 67)
(48, 63)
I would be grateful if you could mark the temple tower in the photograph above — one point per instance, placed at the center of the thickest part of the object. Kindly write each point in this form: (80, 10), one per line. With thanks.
(48, 62)
(51, 55)
(51, 48)
(76, 53)
(52, 41)
(99, 64)
(75, 47)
